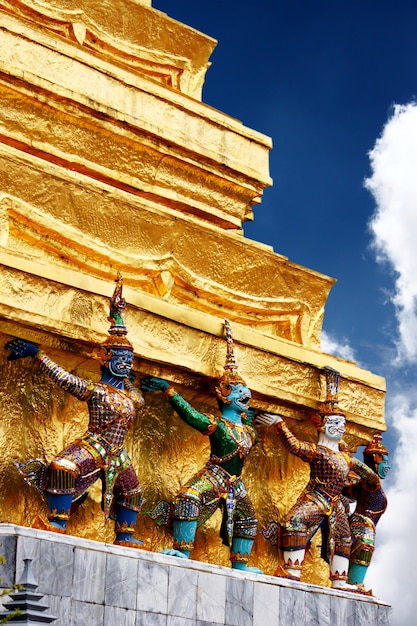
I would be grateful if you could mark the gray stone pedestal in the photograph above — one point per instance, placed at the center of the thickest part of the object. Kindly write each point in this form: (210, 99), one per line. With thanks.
(90, 583)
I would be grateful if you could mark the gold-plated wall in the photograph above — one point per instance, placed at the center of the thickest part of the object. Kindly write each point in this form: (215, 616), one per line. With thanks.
(38, 420)
(109, 162)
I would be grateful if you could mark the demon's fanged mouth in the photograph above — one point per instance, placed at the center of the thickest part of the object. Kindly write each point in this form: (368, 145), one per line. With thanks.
(244, 400)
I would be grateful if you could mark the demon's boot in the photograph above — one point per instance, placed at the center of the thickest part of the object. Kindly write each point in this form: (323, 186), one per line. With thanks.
(338, 573)
(125, 527)
(239, 554)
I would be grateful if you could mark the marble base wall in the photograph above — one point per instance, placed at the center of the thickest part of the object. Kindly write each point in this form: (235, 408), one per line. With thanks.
(88, 582)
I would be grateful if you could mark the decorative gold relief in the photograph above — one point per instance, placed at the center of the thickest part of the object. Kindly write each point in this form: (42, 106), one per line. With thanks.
(129, 157)
(89, 27)
(80, 31)
(164, 274)
(5, 204)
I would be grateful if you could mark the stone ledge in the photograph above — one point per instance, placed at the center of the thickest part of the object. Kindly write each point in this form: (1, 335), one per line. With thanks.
(88, 582)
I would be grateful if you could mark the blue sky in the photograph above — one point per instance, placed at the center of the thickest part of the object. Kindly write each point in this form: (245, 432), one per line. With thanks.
(321, 80)
(327, 80)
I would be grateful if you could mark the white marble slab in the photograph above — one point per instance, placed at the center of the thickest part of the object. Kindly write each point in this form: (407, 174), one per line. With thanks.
(57, 568)
(182, 592)
(121, 582)
(318, 609)
(174, 620)
(151, 619)
(61, 608)
(342, 611)
(152, 589)
(365, 612)
(91, 614)
(292, 606)
(265, 604)
(27, 548)
(90, 583)
(383, 616)
(211, 598)
(8, 569)
(89, 576)
(114, 616)
(239, 601)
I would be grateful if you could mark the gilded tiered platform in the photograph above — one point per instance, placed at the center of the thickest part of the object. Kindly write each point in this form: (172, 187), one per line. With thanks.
(110, 162)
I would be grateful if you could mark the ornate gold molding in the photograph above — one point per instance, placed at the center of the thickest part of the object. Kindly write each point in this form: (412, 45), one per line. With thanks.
(89, 26)
(164, 272)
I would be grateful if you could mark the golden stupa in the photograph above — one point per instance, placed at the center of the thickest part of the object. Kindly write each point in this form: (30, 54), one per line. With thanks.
(110, 162)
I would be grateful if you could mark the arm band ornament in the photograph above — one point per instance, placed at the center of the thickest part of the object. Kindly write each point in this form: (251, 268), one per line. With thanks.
(168, 393)
(213, 424)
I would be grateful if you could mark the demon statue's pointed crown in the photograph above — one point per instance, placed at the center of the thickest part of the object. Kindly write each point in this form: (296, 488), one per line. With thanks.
(230, 376)
(117, 330)
(376, 446)
(330, 406)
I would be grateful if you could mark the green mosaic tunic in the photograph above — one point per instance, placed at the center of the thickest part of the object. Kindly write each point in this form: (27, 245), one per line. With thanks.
(218, 483)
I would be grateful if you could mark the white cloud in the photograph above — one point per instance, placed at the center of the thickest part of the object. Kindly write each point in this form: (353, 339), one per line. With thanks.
(392, 571)
(393, 184)
(338, 347)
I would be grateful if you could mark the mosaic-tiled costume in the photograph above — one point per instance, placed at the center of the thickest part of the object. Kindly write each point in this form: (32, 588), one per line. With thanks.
(322, 503)
(371, 503)
(321, 497)
(218, 483)
(99, 453)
